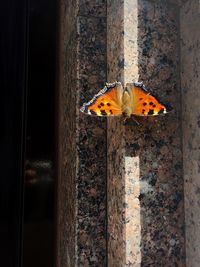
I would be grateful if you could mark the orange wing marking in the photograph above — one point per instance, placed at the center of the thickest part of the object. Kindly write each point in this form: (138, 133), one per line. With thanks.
(105, 103)
(145, 103)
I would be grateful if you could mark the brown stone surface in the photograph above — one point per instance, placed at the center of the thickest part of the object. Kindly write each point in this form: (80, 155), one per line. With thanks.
(144, 207)
(145, 185)
(91, 176)
(82, 139)
(67, 150)
(190, 79)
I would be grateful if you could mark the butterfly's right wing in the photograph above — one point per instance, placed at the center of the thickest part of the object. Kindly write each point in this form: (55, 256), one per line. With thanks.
(144, 103)
(107, 102)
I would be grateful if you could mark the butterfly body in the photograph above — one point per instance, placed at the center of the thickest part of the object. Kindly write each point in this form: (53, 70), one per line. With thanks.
(134, 99)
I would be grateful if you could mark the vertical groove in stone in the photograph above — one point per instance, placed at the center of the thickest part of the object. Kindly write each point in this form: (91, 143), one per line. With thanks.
(115, 139)
(145, 185)
(115, 193)
(190, 79)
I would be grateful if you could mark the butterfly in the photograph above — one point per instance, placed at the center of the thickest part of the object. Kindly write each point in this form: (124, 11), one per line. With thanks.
(134, 99)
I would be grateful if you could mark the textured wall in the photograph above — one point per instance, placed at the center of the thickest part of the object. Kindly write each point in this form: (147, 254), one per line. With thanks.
(145, 192)
(122, 66)
(81, 207)
(91, 178)
(144, 207)
(115, 131)
(67, 150)
(190, 80)
(158, 142)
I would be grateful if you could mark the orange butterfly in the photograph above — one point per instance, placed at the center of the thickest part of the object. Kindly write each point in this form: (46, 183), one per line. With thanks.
(135, 99)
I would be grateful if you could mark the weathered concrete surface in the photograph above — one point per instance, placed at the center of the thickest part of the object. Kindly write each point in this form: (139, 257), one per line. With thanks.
(190, 80)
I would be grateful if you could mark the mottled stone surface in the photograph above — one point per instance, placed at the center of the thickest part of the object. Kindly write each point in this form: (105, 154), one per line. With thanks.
(145, 200)
(67, 150)
(179, 2)
(116, 193)
(122, 65)
(145, 183)
(82, 139)
(190, 79)
(115, 131)
(115, 41)
(158, 142)
(91, 178)
(176, 3)
(92, 8)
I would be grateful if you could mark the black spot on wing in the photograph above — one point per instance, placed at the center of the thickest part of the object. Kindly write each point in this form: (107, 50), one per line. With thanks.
(149, 92)
(101, 93)
(151, 103)
(151, 112)
(111, 111)
(93, 112)
(108, 104)
(103, 113)
(144, 104)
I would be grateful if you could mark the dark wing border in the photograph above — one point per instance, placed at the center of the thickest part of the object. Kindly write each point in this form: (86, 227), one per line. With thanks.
(107, 88)
(149, 91)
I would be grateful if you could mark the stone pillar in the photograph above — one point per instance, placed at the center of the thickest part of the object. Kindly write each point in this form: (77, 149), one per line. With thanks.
(145, 184)
(81, 218)
(141, 221)
(190, 80)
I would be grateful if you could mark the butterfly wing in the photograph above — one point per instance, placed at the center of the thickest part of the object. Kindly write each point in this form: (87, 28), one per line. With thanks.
(107, 102)
(144, 103)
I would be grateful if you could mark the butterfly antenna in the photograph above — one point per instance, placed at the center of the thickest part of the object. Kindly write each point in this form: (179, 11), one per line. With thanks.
(131, 119)
(137, 122)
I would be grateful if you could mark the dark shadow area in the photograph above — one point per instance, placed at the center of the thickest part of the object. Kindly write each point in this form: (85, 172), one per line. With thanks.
(38, 232)
(13, 47)
(157, 142)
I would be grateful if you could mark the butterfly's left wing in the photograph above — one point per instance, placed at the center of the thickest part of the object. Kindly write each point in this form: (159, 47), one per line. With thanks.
(144, 103)
(107, 102)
